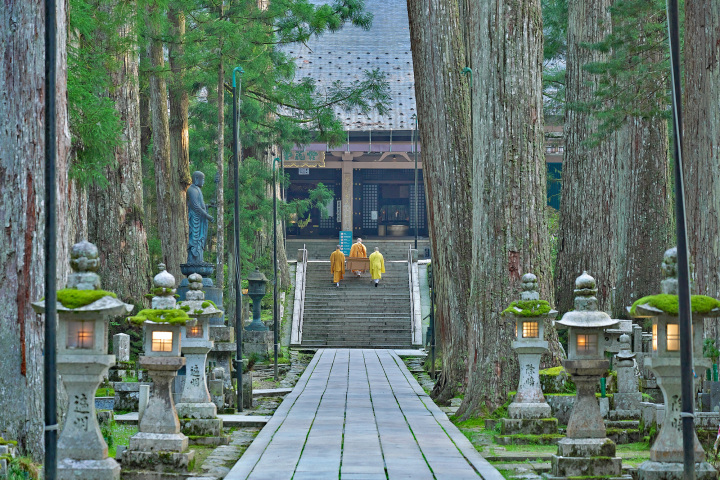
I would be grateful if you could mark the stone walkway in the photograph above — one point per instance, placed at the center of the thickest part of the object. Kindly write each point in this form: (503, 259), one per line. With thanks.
(360, 414)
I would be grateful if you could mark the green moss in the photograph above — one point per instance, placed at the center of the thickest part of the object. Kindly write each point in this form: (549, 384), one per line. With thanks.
(528, 308)
(198, 311)
(7, 442)
(207, 303)
(553, 371)
(185, 308)
(72, 298)
(669, 303)
(173, 317)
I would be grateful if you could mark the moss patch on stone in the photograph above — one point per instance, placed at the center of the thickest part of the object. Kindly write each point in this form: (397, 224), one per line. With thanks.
(72, 298)
(553, 371)
(669, 303)
(207, 303)
(173, 317)
(528, 308)
(184, 308)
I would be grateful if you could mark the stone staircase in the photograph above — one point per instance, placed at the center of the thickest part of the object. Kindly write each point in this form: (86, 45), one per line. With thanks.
(357, 314)
(392, 249)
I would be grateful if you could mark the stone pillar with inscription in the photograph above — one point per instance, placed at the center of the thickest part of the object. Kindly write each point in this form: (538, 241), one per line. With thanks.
(197, 412)
(529, 412)
(82, 360)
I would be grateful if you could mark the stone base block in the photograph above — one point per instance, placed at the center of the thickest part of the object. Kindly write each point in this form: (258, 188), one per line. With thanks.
(158, 442)
(627, 401)
(529, 410)
(586, 447)
(257, 343)
(586, 466)
(196, 410)
(107, 469)
(537, 426)
(148, 465)
(210, 441)
(673, 471)
(618, 415)
(221, 333)
(528, 439)
(202, 427)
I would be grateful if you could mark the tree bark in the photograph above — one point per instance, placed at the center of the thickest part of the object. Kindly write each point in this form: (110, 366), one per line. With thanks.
(117, 219)
(702, 145)
(438, 57)
(509, 226)
(22, 212)
(220, 220)
(588, 235)
(644, 210)
(170, 193)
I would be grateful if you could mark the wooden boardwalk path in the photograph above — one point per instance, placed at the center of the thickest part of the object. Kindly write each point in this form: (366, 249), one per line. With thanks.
(360, 414)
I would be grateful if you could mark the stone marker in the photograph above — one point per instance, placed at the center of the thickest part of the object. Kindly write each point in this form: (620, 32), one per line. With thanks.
(82, 362)
(121, 347)
(628, 397)
(529, 412)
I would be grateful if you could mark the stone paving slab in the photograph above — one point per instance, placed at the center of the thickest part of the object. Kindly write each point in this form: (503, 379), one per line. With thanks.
(360, 414)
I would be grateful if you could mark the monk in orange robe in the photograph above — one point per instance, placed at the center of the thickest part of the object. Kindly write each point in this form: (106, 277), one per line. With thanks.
(358, 250)
(337, 265)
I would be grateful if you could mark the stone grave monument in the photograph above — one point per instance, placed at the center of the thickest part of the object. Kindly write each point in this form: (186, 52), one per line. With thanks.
(257, 339)
(198, 415)
(586, 451)
(666, 453)
(121, 350)
(159, 447)
(82, 361)
(529, 412)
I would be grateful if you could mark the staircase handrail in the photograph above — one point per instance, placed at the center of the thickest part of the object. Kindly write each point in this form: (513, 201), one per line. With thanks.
(299, 306)
(415, 326)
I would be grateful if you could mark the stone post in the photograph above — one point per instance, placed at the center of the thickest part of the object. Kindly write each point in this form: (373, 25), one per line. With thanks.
(628, 397)
(82, 362)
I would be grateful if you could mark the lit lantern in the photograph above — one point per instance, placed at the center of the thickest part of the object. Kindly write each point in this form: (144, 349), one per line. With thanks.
(83, 361)
(529, 410)
(195, 401)
(667, 452)
(586, 443)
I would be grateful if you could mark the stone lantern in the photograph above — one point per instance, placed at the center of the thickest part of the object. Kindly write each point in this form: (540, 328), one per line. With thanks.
(82, 361)
(159, 443)
(197, 412)
(586, 451)
(257, 286)
(529, 412)
(666, 454)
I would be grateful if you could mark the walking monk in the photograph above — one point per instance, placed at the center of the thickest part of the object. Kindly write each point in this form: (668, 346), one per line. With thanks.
(337, 265)
(377, 266)
(358, 250)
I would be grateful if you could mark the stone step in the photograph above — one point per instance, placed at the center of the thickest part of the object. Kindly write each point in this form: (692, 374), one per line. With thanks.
(622, 424)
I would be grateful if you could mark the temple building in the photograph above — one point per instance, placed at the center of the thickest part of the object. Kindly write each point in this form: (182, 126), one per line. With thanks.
(372, 175)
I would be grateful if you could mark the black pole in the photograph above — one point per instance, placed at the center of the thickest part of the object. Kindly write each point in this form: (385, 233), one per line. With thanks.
(50, 368)
(417, 214)
(684, 313)
(236, 233)
(275, 271)
(432, 332)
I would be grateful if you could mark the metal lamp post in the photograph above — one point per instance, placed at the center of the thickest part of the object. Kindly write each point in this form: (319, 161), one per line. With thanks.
(236, 233)
(275, 272)
(417, 215)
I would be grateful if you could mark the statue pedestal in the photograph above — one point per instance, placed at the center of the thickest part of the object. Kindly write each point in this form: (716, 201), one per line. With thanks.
(258, 343)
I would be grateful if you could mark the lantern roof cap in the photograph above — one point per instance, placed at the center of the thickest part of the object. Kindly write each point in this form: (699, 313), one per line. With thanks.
(586, 313)
(257, 276)
(164, 279)
(195, 304)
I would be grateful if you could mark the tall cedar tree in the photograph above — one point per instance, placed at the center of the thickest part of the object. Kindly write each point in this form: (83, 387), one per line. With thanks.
(486, 177)
(702, 143)
(22, 212)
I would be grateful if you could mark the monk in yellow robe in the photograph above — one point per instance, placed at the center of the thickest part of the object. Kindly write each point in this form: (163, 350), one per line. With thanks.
(358, 250)
(377, 266)
(337, 265)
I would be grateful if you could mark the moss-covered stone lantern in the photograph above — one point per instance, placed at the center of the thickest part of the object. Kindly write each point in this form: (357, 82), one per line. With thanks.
(159, 444)
(197, 412)
(529, 412)
(257, 286)
(666, 454)
(586, 450)
(82, 361)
